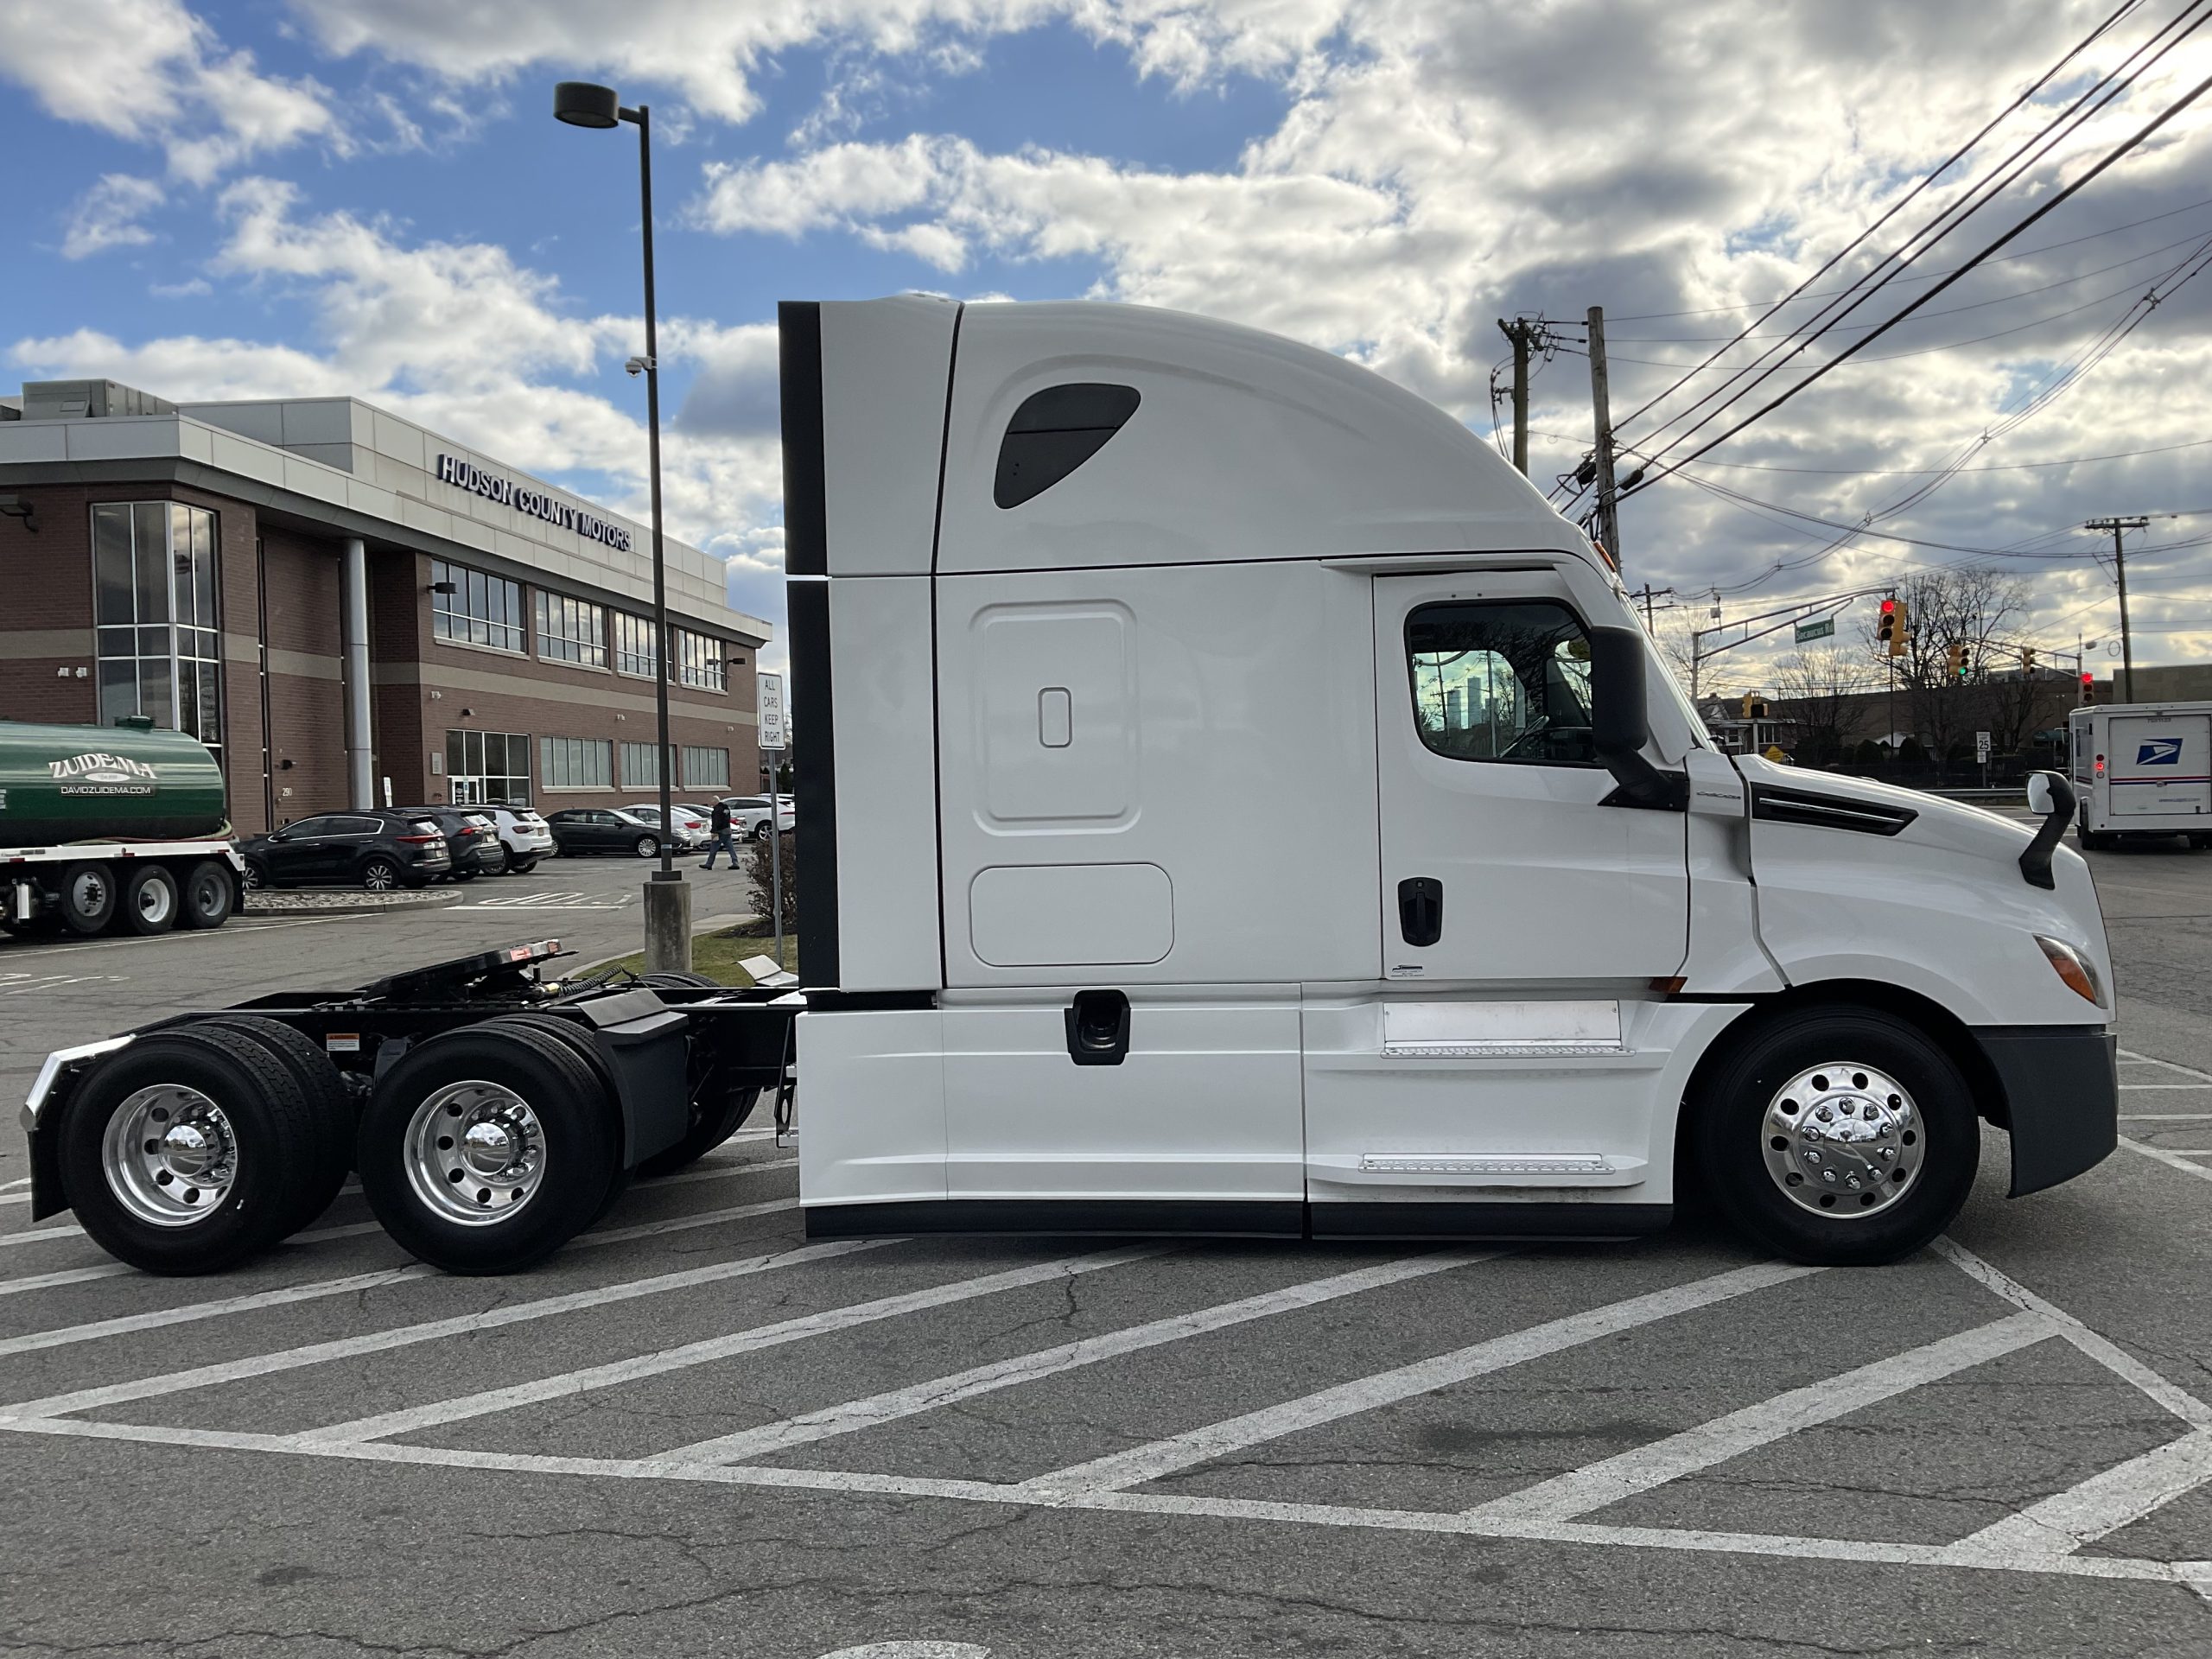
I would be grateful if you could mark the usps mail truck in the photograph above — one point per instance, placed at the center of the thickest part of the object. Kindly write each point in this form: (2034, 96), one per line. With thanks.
(1232, 801)
(2142, 770)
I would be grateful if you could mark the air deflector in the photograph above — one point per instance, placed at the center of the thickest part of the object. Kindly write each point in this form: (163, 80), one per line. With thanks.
(1054, 432)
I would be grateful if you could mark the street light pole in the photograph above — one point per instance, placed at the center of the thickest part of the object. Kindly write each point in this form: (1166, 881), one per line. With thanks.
(668, 901)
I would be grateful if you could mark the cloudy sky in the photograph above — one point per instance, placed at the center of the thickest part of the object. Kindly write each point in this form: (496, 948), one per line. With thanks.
(268, 197)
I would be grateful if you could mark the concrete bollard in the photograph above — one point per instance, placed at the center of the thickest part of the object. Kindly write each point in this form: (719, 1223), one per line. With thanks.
(667, 923)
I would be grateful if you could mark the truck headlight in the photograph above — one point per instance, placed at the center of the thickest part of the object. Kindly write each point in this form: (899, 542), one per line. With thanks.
(2071, 966)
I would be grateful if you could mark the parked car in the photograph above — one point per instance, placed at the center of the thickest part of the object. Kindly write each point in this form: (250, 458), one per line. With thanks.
(748, 815)
(473, 837)
(691, 831)
(524, 834)
(603, 829)
(377, 850)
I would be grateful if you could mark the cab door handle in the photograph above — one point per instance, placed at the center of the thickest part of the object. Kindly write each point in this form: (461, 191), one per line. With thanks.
(1420, 909)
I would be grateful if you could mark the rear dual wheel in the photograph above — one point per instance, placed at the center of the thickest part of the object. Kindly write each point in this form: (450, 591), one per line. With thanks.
(486, 1149)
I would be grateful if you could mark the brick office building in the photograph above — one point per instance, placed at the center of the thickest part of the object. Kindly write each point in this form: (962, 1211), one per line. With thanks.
(349, 608)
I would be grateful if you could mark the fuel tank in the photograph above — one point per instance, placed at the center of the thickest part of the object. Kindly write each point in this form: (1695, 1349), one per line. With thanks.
(62, 783)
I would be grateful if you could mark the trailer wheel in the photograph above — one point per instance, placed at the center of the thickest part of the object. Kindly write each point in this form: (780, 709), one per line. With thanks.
(149, 900)
(180, 1154)
(1841, 1136)
(87, 897)
(487, 1148)
(331, 1107)
(208, 896)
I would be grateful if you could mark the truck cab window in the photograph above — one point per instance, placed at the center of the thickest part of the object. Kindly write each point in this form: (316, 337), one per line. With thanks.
(1502, 680)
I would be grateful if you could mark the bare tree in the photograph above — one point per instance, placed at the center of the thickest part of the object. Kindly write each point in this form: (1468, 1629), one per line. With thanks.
(1952, 605)
(1816, 687)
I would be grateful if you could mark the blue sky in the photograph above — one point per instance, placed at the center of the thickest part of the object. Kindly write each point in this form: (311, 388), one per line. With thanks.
(274, 196)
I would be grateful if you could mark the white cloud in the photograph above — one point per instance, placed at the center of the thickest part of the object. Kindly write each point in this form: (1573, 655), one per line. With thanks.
(150, 72)
(106, 216)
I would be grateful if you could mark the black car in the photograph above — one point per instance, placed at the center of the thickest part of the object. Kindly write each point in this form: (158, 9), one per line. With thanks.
(473, 837)
(602, 830)
(376, 849)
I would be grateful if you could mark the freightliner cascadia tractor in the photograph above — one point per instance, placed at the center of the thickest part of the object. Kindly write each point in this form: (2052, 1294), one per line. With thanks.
(1233, 801)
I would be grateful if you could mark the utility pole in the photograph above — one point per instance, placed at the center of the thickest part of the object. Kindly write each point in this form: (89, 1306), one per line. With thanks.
(2120, 572)
(1609, 529)
(1523, 331)
(1647, 593)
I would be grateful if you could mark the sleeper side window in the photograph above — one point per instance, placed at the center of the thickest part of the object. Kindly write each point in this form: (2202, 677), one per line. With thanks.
(1054, 432)
(1502, 680)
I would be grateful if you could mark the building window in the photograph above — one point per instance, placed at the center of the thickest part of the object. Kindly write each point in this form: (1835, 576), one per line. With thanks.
(487, 768)
(160, 639)
(705, 768)
(570, 630)
(633, 644)
(699, 660)
(577, 762)
(638, 769)
(481, 610)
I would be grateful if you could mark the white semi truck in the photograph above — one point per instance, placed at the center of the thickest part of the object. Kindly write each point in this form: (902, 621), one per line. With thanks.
(1233, 802)
(2142, 770)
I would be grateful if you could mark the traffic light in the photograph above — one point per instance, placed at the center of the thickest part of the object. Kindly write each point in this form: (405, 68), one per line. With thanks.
(2089, 688)
(1889, 630)
(2027, 659)
(1754, 707)
(1962, 655)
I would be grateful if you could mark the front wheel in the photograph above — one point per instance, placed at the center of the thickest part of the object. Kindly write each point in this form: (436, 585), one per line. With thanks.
(1840, 1136)
(647, 847)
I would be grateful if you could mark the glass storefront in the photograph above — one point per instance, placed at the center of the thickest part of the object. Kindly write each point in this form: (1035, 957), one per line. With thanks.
(160, 639)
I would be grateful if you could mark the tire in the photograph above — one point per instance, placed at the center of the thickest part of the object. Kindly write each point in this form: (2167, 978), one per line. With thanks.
(547, 1115)
(87, 897)
(707, 1132)
(762, 831)
(256, 878)
(521, 866)
(246, 1112)
(208, 895)
(495, 862)
(329, 1103)
(1763, 1140)
(380, 875)
(647, 847)
(149, 903)
(466, 875)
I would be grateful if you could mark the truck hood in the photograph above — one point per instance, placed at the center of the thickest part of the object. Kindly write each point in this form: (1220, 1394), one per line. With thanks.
(1938, 821)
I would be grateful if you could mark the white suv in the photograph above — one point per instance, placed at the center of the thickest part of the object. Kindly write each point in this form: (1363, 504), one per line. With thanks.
(526, 836)
(748, 815)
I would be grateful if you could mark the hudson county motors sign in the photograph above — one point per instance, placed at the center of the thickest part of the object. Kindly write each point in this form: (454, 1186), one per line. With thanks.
(467, 475)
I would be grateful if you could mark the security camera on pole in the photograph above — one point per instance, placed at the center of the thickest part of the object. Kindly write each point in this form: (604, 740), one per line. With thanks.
(668, 900)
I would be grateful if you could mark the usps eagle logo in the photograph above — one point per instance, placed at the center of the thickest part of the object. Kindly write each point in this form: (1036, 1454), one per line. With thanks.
(2159, 752)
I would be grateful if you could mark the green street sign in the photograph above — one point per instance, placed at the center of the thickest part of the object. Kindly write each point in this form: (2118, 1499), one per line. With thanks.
(1819, 628)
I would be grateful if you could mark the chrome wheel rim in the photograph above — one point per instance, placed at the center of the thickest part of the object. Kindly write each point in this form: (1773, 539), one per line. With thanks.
(170, 1156)
(1843, 1140)
(647, 847)
(475, 1153)
(379, 878)
(156, 902)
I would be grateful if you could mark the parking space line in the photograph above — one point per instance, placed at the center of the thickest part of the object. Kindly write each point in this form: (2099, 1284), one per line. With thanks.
(189, 1313)
(2128, 1055)
(1595, 1485)
(2103, 1503)
(567, 1383)
(2125, 1086)
(40, 1234)
(719, 1172)
(2107, 1352)
(374, 1342)
(1147, 1463)
(2170, 1159)
(842, 1481)
(680, 1224)
(853, 1416)
(2165, 1118)
(65, 1276)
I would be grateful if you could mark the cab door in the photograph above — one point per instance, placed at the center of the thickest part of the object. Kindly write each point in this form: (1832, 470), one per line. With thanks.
(1501, 863)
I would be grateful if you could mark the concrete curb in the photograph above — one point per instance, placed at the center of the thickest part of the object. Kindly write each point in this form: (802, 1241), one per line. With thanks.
(312, 903)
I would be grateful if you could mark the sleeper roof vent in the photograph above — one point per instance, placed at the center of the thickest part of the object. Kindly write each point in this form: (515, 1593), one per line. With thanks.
(1054, 432)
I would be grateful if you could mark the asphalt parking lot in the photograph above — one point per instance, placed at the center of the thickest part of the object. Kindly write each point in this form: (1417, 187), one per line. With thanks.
(693, 1432)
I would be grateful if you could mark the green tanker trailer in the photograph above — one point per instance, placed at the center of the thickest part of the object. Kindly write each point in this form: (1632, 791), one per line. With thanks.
(122, 827)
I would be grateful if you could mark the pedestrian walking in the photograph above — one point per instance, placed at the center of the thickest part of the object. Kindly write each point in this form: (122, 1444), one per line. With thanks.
(718, 827)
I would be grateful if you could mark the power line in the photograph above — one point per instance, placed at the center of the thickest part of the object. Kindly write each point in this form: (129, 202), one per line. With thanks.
(2007, 172)
(2126, 147)
(1915, 472)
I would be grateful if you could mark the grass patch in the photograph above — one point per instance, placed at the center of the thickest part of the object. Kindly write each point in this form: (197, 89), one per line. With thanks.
(717, 954)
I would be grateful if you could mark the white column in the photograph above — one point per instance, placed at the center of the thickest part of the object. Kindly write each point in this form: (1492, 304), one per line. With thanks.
(359, 763)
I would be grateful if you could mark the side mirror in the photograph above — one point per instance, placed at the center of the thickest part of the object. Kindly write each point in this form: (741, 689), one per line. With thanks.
(2040, 794)
(1620, 721)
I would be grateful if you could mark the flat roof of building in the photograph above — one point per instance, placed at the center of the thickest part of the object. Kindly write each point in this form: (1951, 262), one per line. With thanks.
(346, 467)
